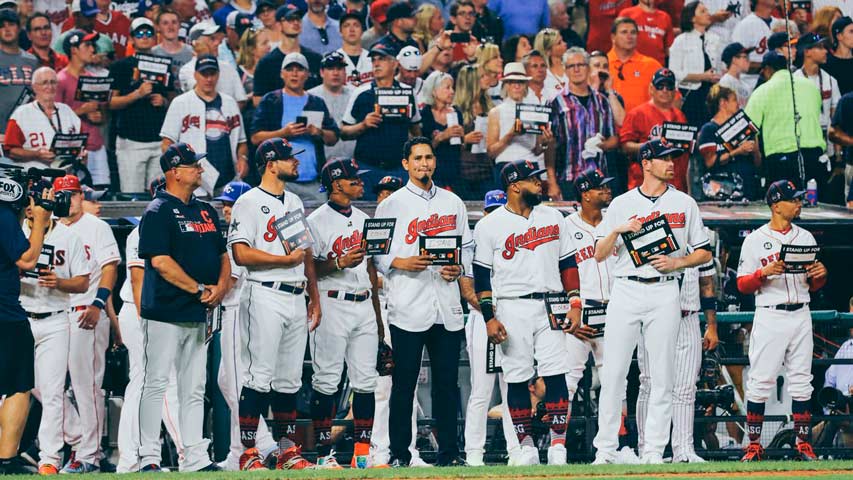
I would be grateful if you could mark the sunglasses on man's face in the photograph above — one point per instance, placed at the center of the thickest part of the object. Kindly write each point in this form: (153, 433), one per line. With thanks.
(143, 33)
(666, 86)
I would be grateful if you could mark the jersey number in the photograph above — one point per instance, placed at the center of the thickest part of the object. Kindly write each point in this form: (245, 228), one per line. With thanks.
(88, 252)
(37, 140)
(762, 46)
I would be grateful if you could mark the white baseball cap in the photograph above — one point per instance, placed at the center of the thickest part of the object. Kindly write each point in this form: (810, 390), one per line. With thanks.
(140, 22)
(201, 29)
(296, 58)
(410, 58)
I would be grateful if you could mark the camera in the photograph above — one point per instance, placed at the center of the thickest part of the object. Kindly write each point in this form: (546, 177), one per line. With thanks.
(722, 396)
(833, 400)
(18, 185)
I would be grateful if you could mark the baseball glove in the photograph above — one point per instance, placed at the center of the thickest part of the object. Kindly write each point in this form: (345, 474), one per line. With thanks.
(384, 360)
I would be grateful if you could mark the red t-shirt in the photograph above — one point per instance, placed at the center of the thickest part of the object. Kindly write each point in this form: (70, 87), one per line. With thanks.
(654, 34)
(117, 29)
(601, 16)
(646, 121)
(673, 8)
(65, 91)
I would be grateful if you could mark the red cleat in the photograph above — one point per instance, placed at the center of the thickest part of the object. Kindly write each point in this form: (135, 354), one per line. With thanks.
(805, 452)
(251, 460)
(754, 452)
(291, 459)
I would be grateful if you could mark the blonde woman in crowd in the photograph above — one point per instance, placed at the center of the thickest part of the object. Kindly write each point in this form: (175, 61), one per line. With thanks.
(551, 45)
(474, 104)
(428, 25)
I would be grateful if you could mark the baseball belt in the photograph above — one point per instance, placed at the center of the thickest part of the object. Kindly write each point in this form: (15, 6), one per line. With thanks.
(667, 278)
(349, 297)
(788, 307)
(42, 316)
(285, 287)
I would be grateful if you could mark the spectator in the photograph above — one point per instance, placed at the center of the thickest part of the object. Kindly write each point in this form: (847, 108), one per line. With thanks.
(841, 132)
(736, 59)
(473, 103)
(114, 25)
(812, 49)
(515, 48)
(840, 63)
(150, 9)
(359, 67)
(443, 61)
(378, 23)
(428, 25)
(726, 14)
(645, 121)
(537, 69)
(25, 10)
(778, 42)
(140, 108)
(319, 32)
(600, 79)
(561, 21)
(277, 116)
(83, 17)
(630, 70)
(41, 35)
(235, 25)
(30, 130)
(654, 29)
(268, 71)
(191, 11)
(602, 16)
(743, 160)
(447, 135)
(81, 54)
(490, 65)
(753, 32)
(462, 16)
(823, 19)
(409, 61)
(248, 7)
(204, 41)
(488, 26)
(336, 93)
(524, 18)
(56, 10)
(171, 46)
(695, 73)
(209, 122)
(401, 21)
(582, 123)
(770, 108)
(266, 15)
(378, 140)
(551, 45)
(253, 46)
(16, 66)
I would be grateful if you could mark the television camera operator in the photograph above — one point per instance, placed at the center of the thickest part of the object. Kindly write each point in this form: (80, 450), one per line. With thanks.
(836, 398)
(711, 395)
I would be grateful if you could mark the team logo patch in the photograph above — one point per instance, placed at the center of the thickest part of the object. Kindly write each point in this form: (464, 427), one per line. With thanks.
(530, 239)
(579, 235)
(513, 176)
(265, 209)
(270, 155)
(768, 245)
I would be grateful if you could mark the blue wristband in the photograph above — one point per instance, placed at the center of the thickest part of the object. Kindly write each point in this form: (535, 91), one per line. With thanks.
(708, 303)
(101, 297)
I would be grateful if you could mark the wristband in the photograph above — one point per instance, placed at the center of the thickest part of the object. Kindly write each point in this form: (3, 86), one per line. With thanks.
(337, 265)
(708, 303)
(487, 309)
(101, 297)
(575, 303)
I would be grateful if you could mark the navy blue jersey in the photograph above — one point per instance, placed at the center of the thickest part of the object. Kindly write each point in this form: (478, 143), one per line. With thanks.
(13, 244)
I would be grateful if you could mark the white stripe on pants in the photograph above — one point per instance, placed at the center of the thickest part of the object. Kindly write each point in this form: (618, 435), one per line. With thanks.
(51, 354)
(138, 163)
(86, 369)
(178, 346)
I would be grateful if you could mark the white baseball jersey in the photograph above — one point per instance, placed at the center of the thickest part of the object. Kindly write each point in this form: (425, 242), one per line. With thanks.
(252, 221)
(229, 80)
(690, 297)
(335, 235)
(68, 261)
(752, 32)
(232, 298)
(30, 128)
(724, 29)
(762, 247)
(358, 73)
(131, 260)
(681, 212)
(595, 277)
(101, 249)
(416, 301)
(829, 94)
(523, 253)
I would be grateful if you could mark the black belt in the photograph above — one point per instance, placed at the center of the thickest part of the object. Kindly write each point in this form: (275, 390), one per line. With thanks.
(533, 296)
(686, 313)
(42, 316)
(350, 297)
(788, 307)
(667, 278)
(285, 287)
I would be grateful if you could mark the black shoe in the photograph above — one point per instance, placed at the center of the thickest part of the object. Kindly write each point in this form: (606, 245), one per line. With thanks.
(17, 466)
(31, 455)
(150, 468)
(451, 462)
(213, 467)
(107, 466)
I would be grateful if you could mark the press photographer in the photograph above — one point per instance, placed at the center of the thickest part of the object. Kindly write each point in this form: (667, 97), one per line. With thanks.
(835, 398)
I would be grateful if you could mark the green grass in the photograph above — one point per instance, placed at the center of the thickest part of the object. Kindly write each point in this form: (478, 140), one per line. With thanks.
(839, 469)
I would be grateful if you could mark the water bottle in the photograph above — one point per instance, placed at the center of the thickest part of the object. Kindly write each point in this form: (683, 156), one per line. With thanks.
(811, 192)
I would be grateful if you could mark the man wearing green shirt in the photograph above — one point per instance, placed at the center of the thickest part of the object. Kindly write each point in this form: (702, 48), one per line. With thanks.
(771, 108)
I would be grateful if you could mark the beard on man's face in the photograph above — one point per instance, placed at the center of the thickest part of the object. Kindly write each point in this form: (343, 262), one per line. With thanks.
(531, 198)
(287, 177)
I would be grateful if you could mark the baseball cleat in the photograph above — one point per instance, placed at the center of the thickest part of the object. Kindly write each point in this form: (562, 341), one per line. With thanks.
(604, 459)
(251, 460)
(151, 468)
(418, 462)
(329, 462)
(48, 469)
(754, 452)
(652, 459)
(530, 455)
(557, 454)
(77, 466)
(291, 459)
(626, 456)
(693, 458)
(474, 459)
(805, 452)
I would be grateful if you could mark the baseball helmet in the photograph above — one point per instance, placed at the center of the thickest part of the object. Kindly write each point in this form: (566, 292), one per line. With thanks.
(156, 185)
(233, 190)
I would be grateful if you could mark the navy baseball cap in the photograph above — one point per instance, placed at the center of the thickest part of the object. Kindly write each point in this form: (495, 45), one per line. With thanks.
(233, 190)
(274, 149)
(156, 185)
(839, 25)
(9, 15)
(206, 62)
(810, 40)
(382, 49)
(398, 10)
(774, 60)
(781, 190)
(88, 8)
(519, 170)
(663, 76)
(145, 5)
(241, 22)
(351, 15)
(77, 37)
(732, 50)
(591, 180)
(333, 60)
(340, 168)
(494, 199)
(658, 149)
(777, 40)
(179, 154)
(388, 182)
(288, 12)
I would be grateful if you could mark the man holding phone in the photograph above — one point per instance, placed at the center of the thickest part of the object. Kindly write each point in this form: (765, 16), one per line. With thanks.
(462, 16)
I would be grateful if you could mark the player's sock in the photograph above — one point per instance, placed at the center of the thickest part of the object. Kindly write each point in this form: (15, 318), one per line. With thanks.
(363, 406)
(252, 405)
(518, 402)
(284, 419)
(322, 412)
(557, 406)
(802, 420)
(754, 420)
(623, 432)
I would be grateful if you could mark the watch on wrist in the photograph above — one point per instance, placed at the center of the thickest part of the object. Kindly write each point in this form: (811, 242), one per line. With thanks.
(201, 289)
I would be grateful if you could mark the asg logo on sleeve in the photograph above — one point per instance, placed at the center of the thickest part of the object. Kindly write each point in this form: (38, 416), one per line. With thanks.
(265, 209)
(579, 235)
(768, 245)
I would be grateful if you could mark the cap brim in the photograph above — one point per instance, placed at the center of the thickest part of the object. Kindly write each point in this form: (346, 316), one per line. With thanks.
(385, 186)
(674, 152)
(206, 68)
(296, 152)
(225, 198)
(799, 194)
(199, 156)
(606, 180)
(534, 173)
(285, 65)
(95, 195)
(491, 206)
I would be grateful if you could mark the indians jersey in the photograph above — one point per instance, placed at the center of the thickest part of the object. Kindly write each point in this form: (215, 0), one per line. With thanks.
(681, 213)
(117, 28)
(360, 72)
(523, 253)
(752, 32)
(761, 248)
(252, 220)
(63, 251)
(417, 300)
(101, 249)
(334, 236)
(30, 128)
(690, 297)
(131, 260)
(595, 276)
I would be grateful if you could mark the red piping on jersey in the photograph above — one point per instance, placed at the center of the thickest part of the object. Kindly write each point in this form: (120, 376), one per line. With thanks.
(749, 284)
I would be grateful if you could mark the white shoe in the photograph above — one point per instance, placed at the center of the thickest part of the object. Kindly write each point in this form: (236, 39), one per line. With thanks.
(530, 455)
(626, 456)
(652, 459)
(516, 459)
(557, 454)
(228, 465)
(474, 458)
(418, 462)
(604, 459)
(693, 458)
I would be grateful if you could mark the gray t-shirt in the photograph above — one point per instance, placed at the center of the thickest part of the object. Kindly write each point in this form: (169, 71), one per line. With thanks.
(16, 73)
(179, 59)
(337, 105)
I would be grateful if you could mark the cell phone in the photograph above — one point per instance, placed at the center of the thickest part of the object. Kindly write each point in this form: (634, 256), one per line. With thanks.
(302, 119)
(603, 76)
(460, 37)
(733, 8)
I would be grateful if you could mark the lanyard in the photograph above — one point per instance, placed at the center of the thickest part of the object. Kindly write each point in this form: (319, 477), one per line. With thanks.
(50, 119)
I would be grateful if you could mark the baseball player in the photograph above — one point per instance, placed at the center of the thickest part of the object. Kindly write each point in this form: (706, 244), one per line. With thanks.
(131, 335)
(352, 325)
(688, 360)
(90, 328)
(523, 252)
(782, 328)
(274, 321)
(482, 382)
(231, 369)
(752, 31)
(62, 270)
(644, 300)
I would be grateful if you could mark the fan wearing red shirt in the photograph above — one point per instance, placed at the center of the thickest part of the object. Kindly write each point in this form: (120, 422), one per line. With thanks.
(645, 122)
(112, 23)
(654, 29)
(601, 16)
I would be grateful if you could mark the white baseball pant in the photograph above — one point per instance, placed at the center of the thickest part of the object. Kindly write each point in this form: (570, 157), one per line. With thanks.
(98, 166)
(179, 347)
(482, 386)
(649, 312)
(529, 337)
(128, 426)
(51, 354)
(138, 163)
(579, 351)
(230, 380)
(688, 361)
(273, 334)
(86, 357)
(780, 337)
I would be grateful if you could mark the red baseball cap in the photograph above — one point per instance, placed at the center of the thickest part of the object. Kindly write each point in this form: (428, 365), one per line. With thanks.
(67, 183)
